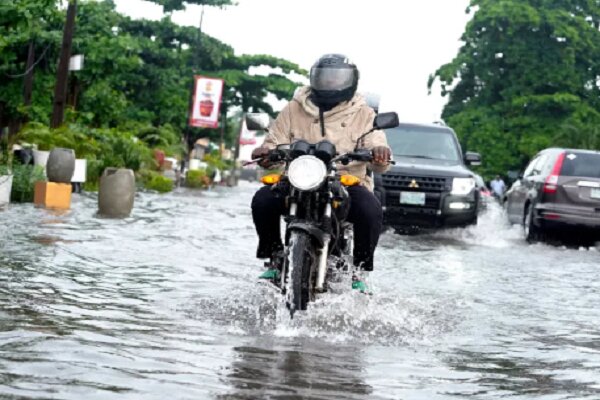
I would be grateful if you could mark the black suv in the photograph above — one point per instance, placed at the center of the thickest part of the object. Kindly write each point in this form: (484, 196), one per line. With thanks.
(430, 185)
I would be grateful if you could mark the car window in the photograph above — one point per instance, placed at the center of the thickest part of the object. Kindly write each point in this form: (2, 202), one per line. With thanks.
(438, 144)
(581, 164)
(539, 164)
(530, 168)
(549, 164)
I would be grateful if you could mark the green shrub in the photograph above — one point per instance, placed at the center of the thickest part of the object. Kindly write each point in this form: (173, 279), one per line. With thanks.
(197, 179)
(39, 134)
(24, 179)
(153, 180)
(129, 146)
(160, 183)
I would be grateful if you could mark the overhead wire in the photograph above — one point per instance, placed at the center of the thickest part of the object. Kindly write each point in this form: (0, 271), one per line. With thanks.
(32, 66)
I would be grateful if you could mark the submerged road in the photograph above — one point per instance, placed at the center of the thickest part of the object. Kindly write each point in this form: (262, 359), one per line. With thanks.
(166, 305)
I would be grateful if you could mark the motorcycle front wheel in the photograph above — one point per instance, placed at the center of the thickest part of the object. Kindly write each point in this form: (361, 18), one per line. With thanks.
(301, 266)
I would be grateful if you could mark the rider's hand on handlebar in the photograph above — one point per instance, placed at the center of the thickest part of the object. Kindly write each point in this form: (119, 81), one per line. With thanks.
(381, 155)
(260, 152)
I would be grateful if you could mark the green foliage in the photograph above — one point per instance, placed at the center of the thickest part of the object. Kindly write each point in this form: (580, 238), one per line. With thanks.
(6, 154)
(135, 70)
(24, 179)
(174, 5)
(197, 179)
(72, 137)
(164, 138)
(527, 71)
(39, 135)
(132, 96)
(215, 161)
(153, 180)
(101, 147)
(121, 149)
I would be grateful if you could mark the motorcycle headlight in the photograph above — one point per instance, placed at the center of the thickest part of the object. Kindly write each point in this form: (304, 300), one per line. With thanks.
(306, 172)
(462, 186)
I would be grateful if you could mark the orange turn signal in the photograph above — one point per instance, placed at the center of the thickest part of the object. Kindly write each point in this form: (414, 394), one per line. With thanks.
(349, 180)
(270, 179)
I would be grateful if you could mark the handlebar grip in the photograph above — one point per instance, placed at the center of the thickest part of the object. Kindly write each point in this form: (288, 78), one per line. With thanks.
(275, 156)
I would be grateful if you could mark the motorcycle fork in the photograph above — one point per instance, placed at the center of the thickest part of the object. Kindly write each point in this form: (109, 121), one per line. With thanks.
(284, 273)
(323, 254)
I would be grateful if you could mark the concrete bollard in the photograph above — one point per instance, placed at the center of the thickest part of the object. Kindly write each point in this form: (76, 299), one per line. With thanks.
(61, 165)
(80, 172)
(117, 191)
(5, 189)
(40, 157)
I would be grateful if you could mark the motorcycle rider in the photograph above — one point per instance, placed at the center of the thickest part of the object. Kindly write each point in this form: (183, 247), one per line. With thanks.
(328, 109)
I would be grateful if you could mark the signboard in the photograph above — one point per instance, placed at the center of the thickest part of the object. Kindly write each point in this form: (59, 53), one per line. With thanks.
(208, 93)
(76, 62)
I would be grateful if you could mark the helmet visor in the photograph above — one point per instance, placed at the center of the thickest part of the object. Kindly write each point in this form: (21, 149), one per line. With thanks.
(331, 78)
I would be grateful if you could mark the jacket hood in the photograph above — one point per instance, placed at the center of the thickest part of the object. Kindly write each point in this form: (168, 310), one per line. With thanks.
(340, 111)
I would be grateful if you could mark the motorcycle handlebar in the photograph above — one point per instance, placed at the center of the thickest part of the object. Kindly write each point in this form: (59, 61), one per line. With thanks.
(360, 155)
(276, 156)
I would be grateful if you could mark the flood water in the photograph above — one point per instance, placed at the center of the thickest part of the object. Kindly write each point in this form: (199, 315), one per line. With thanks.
(166, 305)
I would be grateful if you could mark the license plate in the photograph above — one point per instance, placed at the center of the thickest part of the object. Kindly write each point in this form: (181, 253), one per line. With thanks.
(595, 193)
(412, 198)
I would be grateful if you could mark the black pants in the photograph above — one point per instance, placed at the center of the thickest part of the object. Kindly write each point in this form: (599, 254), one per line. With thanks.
(365, 214)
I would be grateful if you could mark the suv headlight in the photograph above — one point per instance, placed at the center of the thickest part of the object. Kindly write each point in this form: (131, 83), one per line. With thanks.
(462, 186)
(307, 172)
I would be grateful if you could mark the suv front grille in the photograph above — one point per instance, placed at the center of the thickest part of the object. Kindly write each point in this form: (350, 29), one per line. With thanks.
(405, 182)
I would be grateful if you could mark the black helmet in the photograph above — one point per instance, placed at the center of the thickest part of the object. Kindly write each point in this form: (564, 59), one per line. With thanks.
(333, 79)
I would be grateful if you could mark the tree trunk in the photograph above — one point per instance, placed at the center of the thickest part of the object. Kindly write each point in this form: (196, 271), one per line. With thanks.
(28, 81)
(62, 76)
(2, 123)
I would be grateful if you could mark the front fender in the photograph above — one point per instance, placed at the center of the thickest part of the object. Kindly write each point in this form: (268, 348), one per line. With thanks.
(313, 231)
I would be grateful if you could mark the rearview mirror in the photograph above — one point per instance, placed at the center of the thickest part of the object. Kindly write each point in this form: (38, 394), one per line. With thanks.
(386, 120)
(258, 121)
(472, 158)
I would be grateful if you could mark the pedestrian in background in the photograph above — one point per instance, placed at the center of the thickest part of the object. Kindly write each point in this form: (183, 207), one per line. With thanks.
(498, 187)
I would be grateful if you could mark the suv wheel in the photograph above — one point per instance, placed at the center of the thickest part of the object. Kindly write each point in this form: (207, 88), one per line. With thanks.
(533, 233)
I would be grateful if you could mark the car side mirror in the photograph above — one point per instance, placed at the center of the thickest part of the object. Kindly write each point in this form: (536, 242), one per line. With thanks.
(472, 158)
(386, 120)
(258, 121)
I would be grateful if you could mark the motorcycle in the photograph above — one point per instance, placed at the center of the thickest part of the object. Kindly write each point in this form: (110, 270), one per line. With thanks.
(318, 241)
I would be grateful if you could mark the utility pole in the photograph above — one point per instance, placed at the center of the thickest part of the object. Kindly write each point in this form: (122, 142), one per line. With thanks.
(195, 68)
(222, 133)
(62, 75)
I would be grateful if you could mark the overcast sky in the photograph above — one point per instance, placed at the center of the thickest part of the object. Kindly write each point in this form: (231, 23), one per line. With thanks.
(396, 44)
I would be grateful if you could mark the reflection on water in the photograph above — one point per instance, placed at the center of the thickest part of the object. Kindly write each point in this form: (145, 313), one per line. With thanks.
(299, 370)
(503, 374)
(165, 304)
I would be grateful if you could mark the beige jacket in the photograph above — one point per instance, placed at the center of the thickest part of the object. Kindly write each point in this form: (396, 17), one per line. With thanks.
(344, 124)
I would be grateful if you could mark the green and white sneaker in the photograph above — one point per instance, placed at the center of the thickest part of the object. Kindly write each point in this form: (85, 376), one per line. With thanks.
(359, 282)
(271, 274)
(273, 271)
